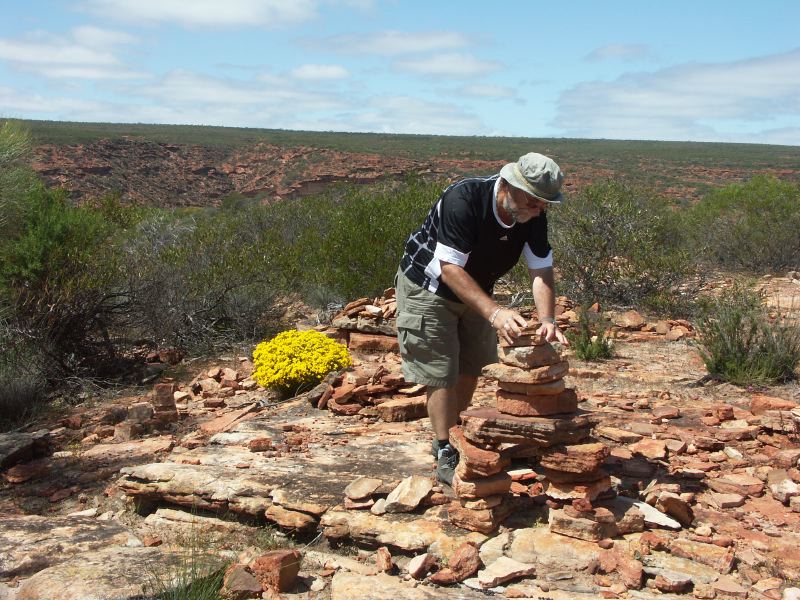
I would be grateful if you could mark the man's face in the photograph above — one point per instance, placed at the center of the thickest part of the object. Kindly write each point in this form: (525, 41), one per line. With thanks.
(522, 206)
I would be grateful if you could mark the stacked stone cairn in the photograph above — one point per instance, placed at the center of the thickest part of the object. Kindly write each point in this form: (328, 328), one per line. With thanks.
(535, 417)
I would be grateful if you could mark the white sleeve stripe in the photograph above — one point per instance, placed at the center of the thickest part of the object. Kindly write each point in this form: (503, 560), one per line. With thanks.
(450, 255)
(536, 262)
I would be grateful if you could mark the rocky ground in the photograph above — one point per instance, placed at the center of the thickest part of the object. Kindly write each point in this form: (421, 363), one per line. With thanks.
(306, 500)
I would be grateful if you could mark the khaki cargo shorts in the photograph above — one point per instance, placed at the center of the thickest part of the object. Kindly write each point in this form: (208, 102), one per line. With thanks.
(440, 339)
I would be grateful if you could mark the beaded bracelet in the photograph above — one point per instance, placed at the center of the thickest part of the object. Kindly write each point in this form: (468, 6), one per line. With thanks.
(494, 316)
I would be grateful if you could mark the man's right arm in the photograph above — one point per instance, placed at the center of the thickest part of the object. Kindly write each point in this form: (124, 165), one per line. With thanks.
(507, 322)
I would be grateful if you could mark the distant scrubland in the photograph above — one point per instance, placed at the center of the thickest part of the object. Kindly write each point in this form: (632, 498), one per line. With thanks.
(82, 288)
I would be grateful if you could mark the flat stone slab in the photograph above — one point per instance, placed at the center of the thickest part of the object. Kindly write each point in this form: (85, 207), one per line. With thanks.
(199, 487)
(128, 451)
(511, 374)
(109, 574)
(346, 586)
(488, 425)
(406, 534)
(528, 357)
(29, 544)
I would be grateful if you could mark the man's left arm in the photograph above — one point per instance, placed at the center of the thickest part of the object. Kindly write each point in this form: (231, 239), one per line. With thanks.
(544, 296)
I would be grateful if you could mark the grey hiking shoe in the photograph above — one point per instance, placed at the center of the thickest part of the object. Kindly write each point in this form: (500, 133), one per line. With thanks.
(446, 464)
(435, 448)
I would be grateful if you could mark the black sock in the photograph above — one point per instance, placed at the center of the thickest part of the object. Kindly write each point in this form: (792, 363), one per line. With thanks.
(443, 443)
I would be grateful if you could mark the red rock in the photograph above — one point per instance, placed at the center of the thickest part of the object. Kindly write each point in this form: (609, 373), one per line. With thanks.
(714, 556)
(226, 421)
(383, 560)
(27, 471)
(510, 374)
(151, 541)
(419, 566)
(649, 448)
(277, 570)
(672, 583)
(528, 337)
(487, 426)
(164, 394)
(369, 341)
(578, 458)
(631, 573)
(483, 521)
(524, 405)
(674, 506)
(463, 564)
(497, 484)
(344, 409)
(580, 527)
(666, 412)
(550, 388)
(475, 462)
(240, 584)
(737, 483)
(260, 445)
(529, 357)
(630, 320)
(403, 409)
(761, 403)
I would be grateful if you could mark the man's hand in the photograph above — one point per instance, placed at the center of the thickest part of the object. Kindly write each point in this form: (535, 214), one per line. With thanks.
(508, 324)
(549, 331)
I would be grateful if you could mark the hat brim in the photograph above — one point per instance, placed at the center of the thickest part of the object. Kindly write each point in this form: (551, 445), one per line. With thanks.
(509, 173)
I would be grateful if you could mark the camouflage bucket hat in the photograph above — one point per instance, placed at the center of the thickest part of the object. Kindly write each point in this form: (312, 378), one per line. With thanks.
(537, 175)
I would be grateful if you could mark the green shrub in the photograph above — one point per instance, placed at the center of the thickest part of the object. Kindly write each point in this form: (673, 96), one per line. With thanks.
(618, 244)
(590, 340)
(348, 242)
(742, 344)
(751, 227)
(56, 279)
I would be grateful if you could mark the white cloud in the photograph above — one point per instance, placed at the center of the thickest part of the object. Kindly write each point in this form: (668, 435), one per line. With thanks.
(320, 72)
(14, 103)
(451, 65)
(267, 93)
(394, 43)
(691, 101)
(626, 52)
(206, 13)
(83, 54)
(497, 92)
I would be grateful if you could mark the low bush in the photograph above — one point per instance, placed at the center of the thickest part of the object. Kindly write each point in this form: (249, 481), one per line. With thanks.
(296, 360)
(590, 340)
(23, 380)
(748, 227)
(348, 242)
(741, 342)
(618, 244)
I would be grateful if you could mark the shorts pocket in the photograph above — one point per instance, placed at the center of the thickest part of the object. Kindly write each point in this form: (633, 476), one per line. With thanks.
(411, 337)
(408, 321)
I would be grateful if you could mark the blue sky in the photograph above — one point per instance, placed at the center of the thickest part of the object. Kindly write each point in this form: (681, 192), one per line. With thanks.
(703, 70)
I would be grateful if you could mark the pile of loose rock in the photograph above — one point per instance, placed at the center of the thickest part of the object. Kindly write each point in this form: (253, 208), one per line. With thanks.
(534, 416)
(368, 323)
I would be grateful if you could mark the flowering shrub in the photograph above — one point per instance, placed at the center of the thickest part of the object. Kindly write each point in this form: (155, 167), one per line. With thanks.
(297, 359)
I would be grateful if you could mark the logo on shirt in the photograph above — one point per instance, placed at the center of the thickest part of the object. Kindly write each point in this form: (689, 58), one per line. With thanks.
(504, 238)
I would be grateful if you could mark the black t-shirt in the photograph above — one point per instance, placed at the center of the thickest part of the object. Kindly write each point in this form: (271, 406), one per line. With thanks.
(463, 228)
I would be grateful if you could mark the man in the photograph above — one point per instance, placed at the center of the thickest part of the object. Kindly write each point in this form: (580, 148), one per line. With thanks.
(447, 321)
